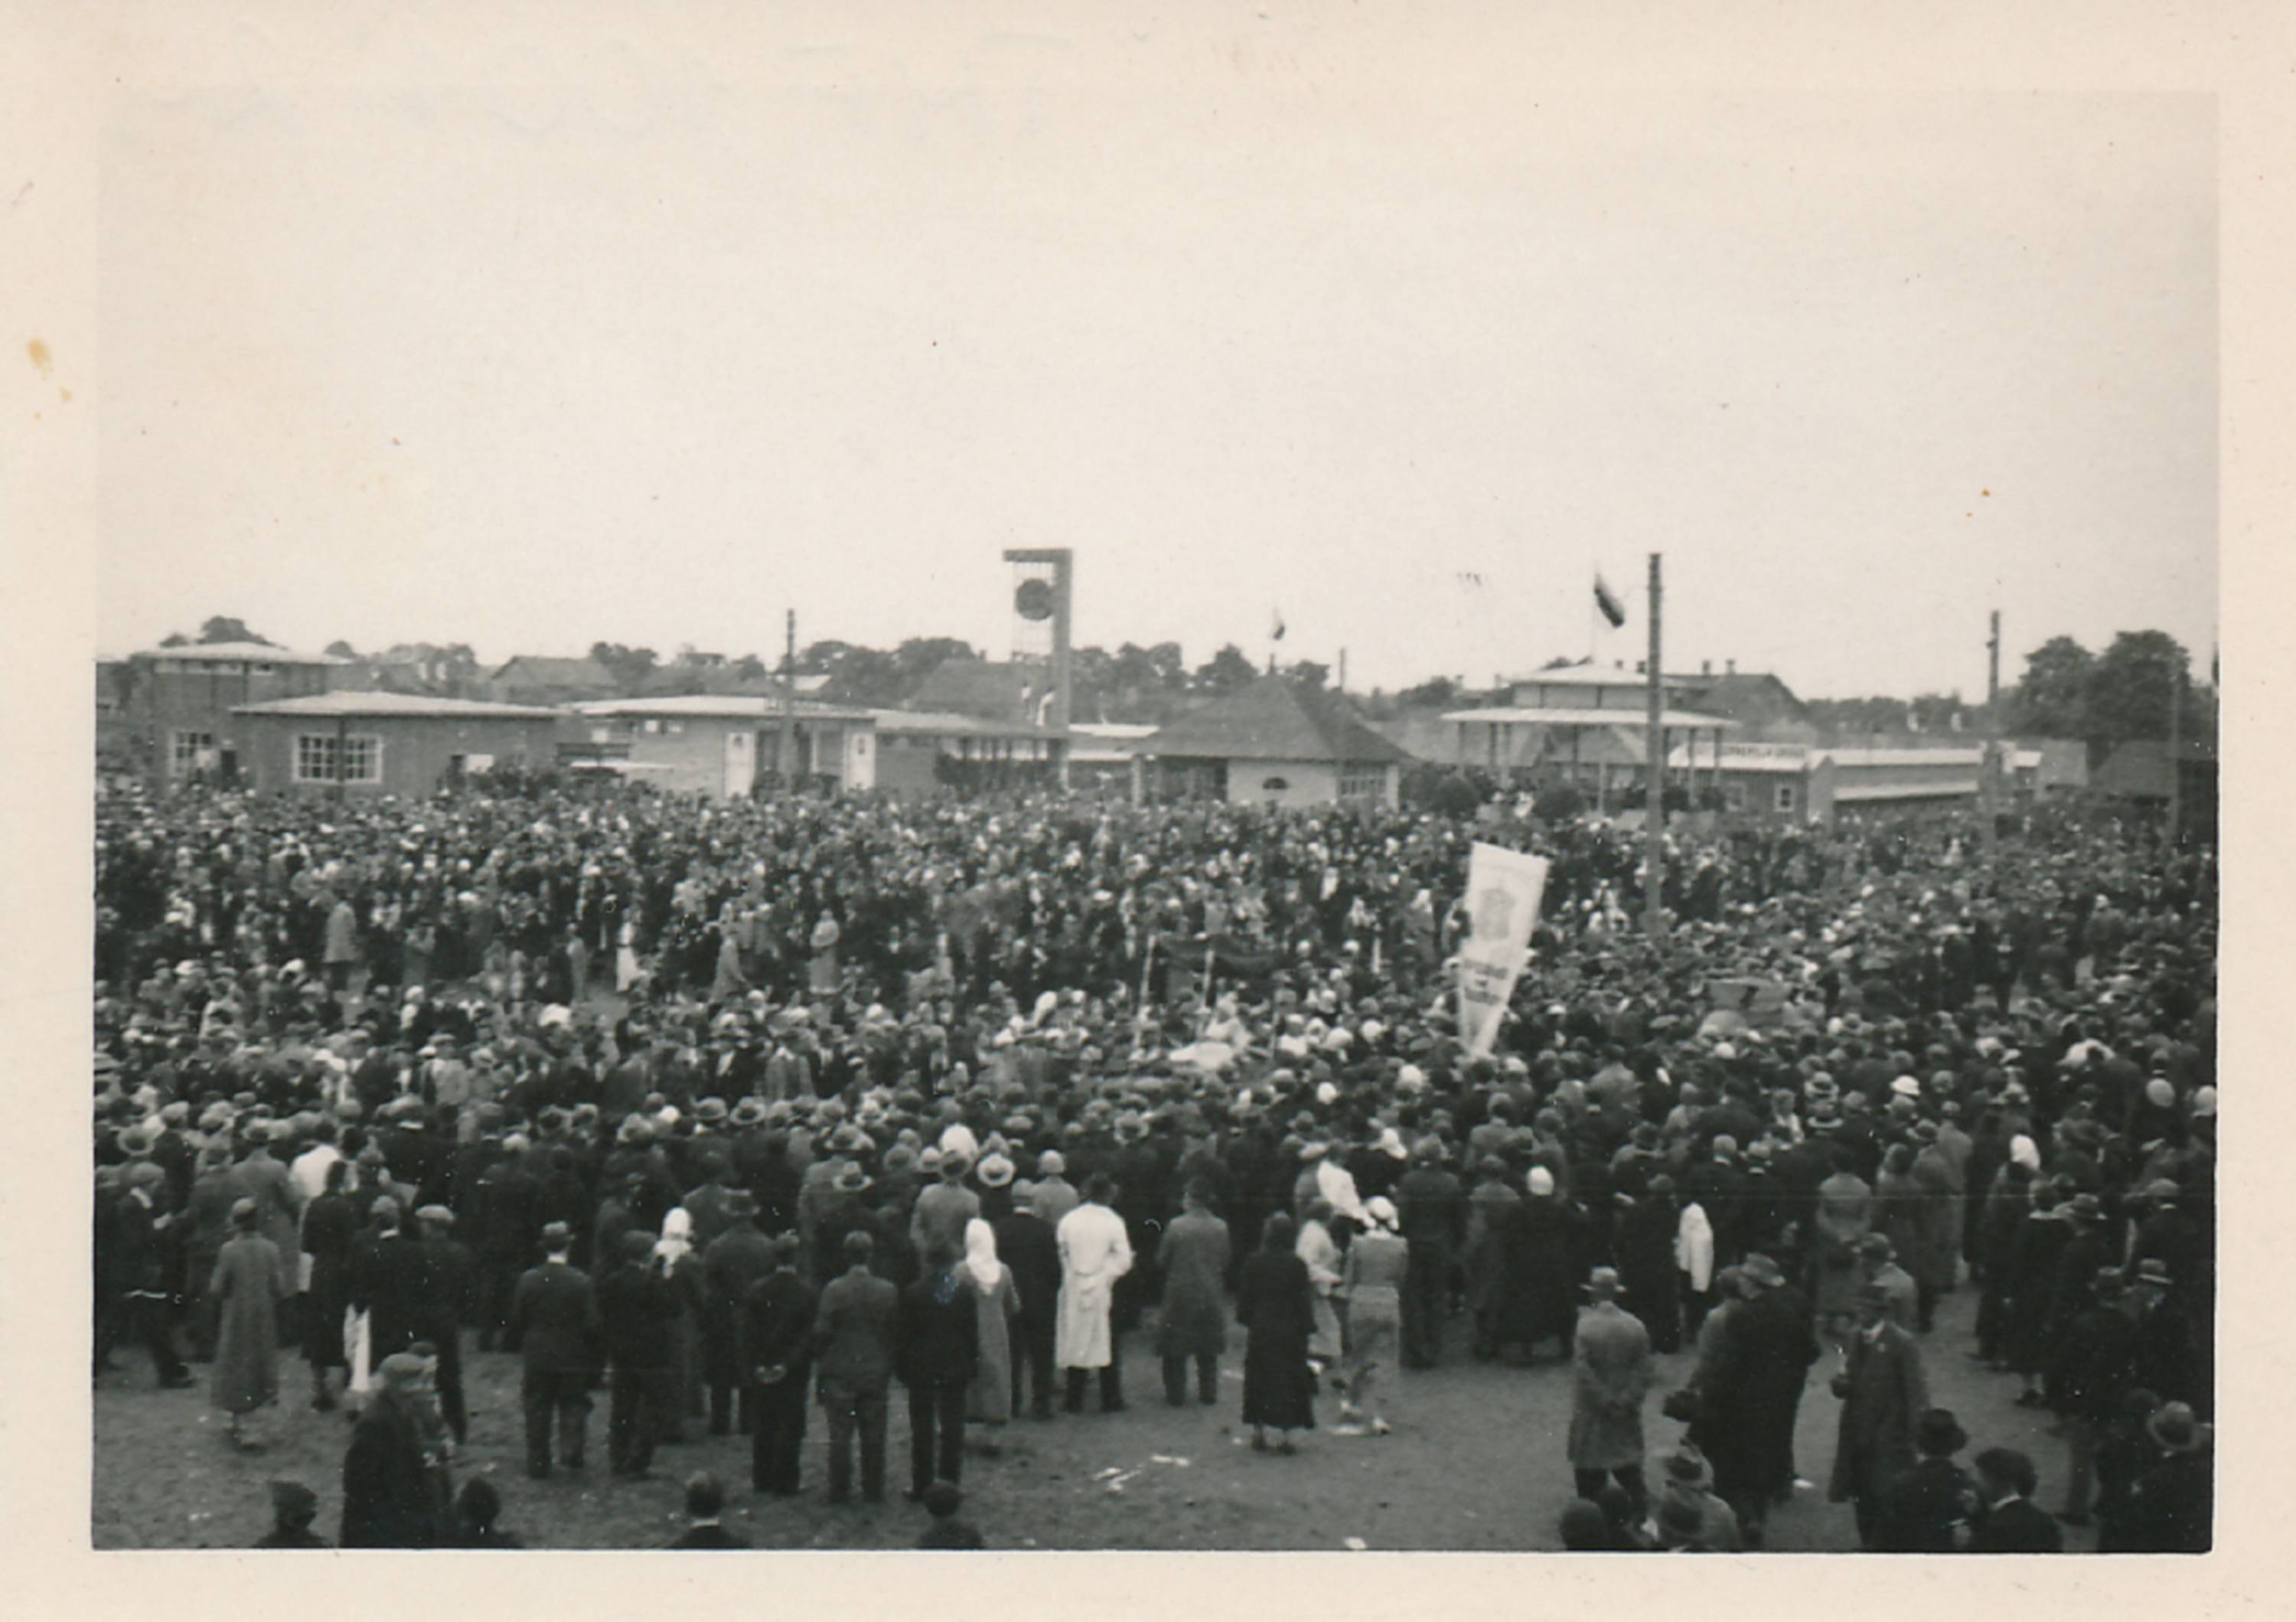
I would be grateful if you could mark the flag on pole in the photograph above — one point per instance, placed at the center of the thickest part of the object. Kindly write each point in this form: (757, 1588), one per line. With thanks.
(1613, 610)
(1504, 890)
(1275, 629)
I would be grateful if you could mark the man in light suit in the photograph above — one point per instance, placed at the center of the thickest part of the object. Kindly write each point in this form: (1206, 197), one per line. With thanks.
(1884, 1397)
(1095, 1251)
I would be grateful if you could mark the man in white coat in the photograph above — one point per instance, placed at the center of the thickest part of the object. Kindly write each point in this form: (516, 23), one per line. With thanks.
(1095, 1253)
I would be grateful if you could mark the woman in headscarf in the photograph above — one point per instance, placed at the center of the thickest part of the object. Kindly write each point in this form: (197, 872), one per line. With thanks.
(1276, 1304)
(249, 1282)
(1538, 1301)
(682, 1385)
(1320, 1253)
(988, 1400)
(1370, 1280)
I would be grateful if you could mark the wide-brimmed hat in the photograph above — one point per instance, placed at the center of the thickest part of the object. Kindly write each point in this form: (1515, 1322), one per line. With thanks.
(1763, 1269)
(2153, 1270)
(995, 1171)
(2174, 1428)
(1877, 1247)
(1680, 1518)
(556, 1235)
(1938, 1434)
(748, 1112)
(1687, 1468)
(851, 1179)
(1603, 1283)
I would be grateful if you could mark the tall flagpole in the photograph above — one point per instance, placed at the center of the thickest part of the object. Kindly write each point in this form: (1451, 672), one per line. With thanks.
(1654, 814)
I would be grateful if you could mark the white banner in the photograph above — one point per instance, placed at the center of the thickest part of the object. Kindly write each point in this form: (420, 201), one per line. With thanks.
(1504, 887)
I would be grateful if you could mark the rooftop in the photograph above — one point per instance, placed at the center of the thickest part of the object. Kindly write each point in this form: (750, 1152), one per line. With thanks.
(1510, 715)
(945, 724)
(1274, 719)
(734, 706)
(319, 704)
(235, 652)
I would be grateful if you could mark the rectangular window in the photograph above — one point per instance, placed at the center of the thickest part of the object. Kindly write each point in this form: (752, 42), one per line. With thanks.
(323, 757)
(1786, 799)
(1362, 783)
(673, 728)
(188, 750)
(362, 758)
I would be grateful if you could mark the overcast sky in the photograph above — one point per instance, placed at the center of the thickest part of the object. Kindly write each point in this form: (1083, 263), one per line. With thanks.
(534, 368)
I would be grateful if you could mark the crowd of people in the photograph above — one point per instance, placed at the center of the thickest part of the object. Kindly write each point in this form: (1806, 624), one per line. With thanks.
(732, 1112)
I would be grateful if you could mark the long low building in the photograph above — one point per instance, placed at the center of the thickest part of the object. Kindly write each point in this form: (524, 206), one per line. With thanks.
(723, 745)
(1796, 782)
(378, 743)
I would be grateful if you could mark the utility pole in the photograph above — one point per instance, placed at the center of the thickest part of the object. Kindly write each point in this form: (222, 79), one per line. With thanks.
(788, 749)
(1990, 764)
(1654, 815)
(1343, 670)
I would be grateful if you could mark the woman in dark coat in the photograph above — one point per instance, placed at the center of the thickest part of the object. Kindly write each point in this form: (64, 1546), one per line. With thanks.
(1646, 1264)
(1277, 1305)
(2032, 1289)
(248, 1282)
(1538, 1301)
(330, 1224)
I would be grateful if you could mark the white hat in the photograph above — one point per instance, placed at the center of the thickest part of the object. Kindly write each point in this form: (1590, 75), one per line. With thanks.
(1541, 1181)
(2023, 1151)
(2204, 1101)
(1906, 1086)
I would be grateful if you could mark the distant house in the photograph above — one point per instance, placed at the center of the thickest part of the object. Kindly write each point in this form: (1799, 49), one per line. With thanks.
(2137, 772)
(1276, 741)
(378, 743)
(723, 745)
(530, 678)
(913, 746)
(1764, 708)
(1104, 757)
(178, 705)
(994, 692)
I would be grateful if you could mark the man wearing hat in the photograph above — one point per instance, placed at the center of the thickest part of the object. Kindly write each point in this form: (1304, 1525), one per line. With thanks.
(1026, 1244)
(635, 1309)
(777, 1348)
(390, 1280)
(1924, 1508)
(1687, 1481)
(1433, 1207)
(1751, 1397)
(2171, 1505)
(736, 1260)
(1877, 1259)
(1611, 1375)
(389, 1497)
(945, 1206)
(447, 1293)
(1884, 1394)
(293, 1508)
(554, 1317)
(854, 1339)
(1056, 1197)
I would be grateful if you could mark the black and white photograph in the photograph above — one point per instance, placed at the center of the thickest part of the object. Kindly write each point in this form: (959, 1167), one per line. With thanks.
(1118, 785)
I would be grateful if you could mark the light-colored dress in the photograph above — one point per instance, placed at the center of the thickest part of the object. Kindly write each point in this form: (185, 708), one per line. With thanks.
(1372, 1280)
(1314, 1247)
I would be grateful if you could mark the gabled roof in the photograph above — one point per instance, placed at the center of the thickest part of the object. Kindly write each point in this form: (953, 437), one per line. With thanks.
(1274, 719)
(319, 705)
(978, 687)
(734, 705)
(538, 670)
(1506, 714)
(235, 652)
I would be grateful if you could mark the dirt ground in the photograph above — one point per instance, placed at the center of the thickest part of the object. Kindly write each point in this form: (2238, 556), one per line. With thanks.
(1476, 1462)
